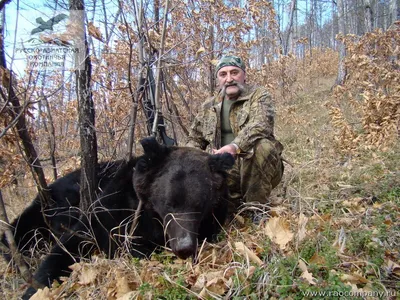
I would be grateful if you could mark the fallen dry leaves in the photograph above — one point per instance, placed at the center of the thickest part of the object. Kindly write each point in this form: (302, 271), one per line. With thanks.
(302, 231)
(392, 268)
(247, 253)
(222, 265)
(277, 229)
(306, 275)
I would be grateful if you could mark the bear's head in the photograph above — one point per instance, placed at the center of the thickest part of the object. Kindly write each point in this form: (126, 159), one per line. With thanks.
(183, 186)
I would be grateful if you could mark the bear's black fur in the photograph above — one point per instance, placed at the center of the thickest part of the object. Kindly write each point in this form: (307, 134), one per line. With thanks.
(185, 200)
(31, 227)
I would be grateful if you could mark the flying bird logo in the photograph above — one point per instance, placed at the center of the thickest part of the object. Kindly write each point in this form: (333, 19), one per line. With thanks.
(48, 25)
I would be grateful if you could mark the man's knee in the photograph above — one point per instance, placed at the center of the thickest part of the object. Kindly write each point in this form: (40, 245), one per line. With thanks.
(256, 174)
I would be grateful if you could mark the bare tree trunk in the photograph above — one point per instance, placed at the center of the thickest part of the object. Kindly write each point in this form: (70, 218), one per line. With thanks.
(17, 113)
(342, 49)
(345, 16)
(51, 138)
(160, 64)
(156, 15)
(296, 31)
(293, 7)
(368, 15)
(49, 128)
(394, 11)
(211, 68)
(140, 87)
(86, 112)
(311, 27)
(333, 32)
(375, 14)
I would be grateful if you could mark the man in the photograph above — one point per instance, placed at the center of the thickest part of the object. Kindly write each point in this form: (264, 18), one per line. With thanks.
(240, 121)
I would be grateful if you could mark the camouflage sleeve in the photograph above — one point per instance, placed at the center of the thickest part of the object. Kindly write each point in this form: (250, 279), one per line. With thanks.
(260, 123)
(196, 137)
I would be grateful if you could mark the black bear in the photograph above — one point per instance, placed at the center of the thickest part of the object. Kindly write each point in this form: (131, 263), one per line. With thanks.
(184, 197)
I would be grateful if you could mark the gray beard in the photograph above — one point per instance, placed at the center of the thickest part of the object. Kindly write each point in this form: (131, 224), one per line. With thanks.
(240, 86)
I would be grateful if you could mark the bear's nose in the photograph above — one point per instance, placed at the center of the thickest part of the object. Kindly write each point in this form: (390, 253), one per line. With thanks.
(185, 247)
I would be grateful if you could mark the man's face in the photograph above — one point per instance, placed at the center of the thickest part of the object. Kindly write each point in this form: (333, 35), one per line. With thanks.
(231, 80)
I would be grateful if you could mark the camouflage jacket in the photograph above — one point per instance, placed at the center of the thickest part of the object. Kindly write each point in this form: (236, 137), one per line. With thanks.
(251, 117)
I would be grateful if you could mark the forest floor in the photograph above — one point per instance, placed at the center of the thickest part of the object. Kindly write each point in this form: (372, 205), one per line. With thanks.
(333, 231)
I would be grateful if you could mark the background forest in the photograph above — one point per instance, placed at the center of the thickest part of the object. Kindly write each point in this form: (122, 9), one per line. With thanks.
(333, 70)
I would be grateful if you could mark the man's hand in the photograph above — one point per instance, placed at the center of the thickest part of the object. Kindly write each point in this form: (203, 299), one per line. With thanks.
(230, 148)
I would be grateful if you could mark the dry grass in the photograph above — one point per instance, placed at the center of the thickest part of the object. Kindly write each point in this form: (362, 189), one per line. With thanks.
(334, 226)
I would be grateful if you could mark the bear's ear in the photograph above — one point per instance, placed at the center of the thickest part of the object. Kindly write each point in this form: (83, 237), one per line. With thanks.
(151, 146)
(154, 153)
(153, 149)
(221, 162)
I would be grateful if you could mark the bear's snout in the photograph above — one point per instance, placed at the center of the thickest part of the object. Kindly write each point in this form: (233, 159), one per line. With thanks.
(184, 247)
(182, 231)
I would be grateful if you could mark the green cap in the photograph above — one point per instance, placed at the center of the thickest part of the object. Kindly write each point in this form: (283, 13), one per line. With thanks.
(230, 60)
